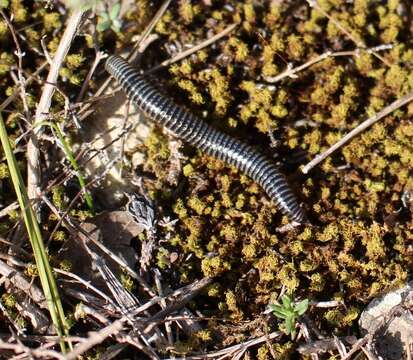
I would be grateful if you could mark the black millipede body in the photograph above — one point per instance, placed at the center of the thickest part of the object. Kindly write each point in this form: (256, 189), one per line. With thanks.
(198, 133)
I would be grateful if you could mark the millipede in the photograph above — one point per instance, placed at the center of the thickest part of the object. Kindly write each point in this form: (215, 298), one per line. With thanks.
(196, 132)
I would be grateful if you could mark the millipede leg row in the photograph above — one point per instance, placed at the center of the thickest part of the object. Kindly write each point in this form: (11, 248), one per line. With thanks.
(196, 132)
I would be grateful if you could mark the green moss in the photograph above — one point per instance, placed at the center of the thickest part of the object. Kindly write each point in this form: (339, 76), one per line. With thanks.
(65, 265)
(194, 94)
(218, 87)
(31, 270)
(238, 48)
(197, 204)
(231, 302)
(288, 277)
(74, 61)
(58, 197)
(188, 11)
(4, 171)
(214, 266)
(8, 300)
(19, 11)
(59, 236)
(396, 79)
(214, 290)
(317, 282)
(51, 21)
(6, 61)
(295, 47)
(127, 282)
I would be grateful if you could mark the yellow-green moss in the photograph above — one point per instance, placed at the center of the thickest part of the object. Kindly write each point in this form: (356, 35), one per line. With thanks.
(51, 21)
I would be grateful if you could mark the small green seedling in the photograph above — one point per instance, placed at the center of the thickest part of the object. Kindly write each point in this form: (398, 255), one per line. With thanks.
(289, 312)
(110, 19)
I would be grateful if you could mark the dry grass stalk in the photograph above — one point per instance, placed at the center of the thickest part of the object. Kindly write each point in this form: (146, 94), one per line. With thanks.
(357, 130)
(42, 111)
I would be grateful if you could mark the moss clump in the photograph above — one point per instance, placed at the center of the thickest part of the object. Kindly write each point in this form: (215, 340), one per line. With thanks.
(4, 171)
(19, 11)
(51, 21)
(218, 87)
(214, 266)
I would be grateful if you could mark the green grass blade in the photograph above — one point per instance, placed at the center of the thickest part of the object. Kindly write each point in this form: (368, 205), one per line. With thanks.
(69, 154)
(45, 271)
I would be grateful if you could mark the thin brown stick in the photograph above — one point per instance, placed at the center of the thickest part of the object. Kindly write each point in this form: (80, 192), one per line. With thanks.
(33, 150)
(224, 353)
(21, 282)
(148, 30)
(194, 49)
(356, 347)
(16, 92)
(291, 72)
(360, 128)
(96, 338)
(99, 56)
(359, 43)
(5, 211)
(39, 353)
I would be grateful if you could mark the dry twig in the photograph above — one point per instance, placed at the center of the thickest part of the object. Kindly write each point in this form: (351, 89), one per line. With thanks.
(358, 42)
(33, 149)
(96, 338)
(193, 49)
(292, 72)
(357, 130)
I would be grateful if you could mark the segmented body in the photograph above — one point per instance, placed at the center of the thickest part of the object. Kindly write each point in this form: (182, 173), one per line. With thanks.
(198, 133)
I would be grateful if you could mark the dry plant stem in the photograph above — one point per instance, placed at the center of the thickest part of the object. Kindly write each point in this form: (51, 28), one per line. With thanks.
(8, 316)
(359, 43)
(99, 56)
(33, 150)
(148, 30)
(142, 47)
(324, 345)
(123, 139)
(266, 327)
(43, 338)
(112, 351)
(168, 329)
(16, 92)
(91, 312)
(133, 341)
(38, 353)
(44, 48)
(232, 350)
(87, 285)
(95, 339)
(357, 130)
(21, 282)
(5, 211)
(369, 354)
(291, 72)
(356, 347)
(195, 288)
(193, 49)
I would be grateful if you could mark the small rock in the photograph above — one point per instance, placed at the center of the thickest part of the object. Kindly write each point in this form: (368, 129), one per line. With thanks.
(389, 320)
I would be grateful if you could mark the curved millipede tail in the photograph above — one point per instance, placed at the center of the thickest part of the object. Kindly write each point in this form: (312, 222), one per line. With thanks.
(196, 132)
